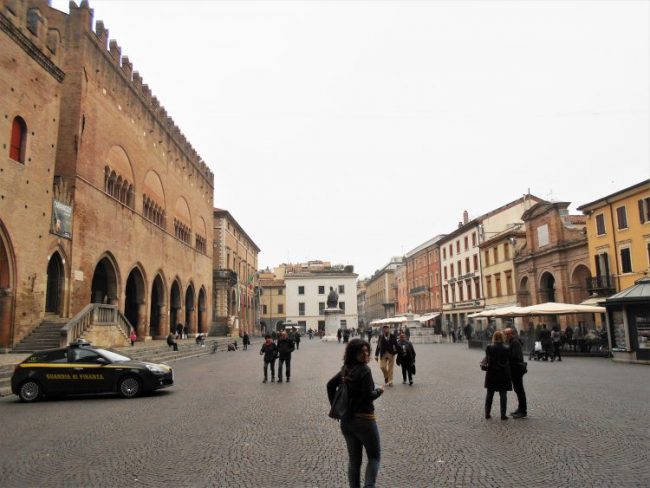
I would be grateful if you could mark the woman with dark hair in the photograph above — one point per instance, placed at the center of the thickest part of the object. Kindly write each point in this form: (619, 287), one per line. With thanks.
(359, 427)
(497, 376)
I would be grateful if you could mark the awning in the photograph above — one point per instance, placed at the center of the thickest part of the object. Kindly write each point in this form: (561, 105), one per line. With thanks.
(594, 301)
(390, 320)
(426, 317)
(496, 312)
(554, 308)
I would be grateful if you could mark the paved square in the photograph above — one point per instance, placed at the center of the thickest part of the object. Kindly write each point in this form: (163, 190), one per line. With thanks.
(220, 426)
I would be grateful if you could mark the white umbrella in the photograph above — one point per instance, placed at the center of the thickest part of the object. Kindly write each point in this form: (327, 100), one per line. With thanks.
(554, 308)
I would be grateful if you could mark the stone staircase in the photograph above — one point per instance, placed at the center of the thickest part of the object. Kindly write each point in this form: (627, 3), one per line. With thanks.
(45, 336)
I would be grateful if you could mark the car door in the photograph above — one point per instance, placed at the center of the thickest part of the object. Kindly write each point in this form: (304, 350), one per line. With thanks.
(51, 370)
(88, 372)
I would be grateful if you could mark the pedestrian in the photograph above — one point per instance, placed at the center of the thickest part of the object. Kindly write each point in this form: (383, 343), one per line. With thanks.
(179, 330)
(339, 334)
(406, 358)
(556, 337)
(497, 376)
(285, 348)
(270, 352)
(310, 334)
(171, 341)
(386, 349)
(186, 331)
(518, 369)
(297, 339)
(246, 341)
(547, 342)
(274, 336)
(359, 427)
(133, 337)
(346, 335)
(568, 333)
(200, 339)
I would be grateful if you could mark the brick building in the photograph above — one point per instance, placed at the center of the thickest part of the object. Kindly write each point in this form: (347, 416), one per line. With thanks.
(423, 277)
(117, 200)
(553, 266)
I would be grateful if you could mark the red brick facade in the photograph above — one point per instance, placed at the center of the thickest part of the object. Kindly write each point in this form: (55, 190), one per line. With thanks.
(100, 144)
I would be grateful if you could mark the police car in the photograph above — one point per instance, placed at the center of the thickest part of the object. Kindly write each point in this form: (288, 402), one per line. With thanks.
(81, 368)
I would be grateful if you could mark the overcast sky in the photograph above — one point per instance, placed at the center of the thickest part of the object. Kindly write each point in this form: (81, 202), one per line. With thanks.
(355, 131)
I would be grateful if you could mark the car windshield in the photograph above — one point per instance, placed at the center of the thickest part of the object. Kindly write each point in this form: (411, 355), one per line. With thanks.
(113, 357)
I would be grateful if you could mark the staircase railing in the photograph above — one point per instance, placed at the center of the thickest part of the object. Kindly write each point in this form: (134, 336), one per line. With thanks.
(93, 314)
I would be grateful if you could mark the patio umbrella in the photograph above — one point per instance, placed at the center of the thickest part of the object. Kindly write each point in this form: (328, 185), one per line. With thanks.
(555, 308)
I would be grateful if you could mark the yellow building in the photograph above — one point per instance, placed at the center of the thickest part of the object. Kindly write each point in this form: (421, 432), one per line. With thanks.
(498, 270)
(272, 300)
(618, 233)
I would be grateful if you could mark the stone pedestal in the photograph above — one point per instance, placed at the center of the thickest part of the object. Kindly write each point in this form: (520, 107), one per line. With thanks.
(332, 323)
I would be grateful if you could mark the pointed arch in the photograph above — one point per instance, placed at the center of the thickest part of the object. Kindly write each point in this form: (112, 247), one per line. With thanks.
(202, 310)
(106, 281)
(7, 287)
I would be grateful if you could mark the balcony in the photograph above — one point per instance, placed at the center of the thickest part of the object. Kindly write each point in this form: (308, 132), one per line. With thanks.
(224, 274)
(602, 285)
(419, 290)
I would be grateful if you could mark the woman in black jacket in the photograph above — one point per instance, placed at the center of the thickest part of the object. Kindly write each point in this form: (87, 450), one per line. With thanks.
(359, 427)
(497, 376)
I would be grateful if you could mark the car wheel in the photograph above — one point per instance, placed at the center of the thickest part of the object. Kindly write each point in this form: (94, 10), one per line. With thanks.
(29, 391)
(130, 387)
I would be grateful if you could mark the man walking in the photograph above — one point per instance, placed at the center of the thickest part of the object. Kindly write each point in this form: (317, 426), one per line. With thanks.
(517, 371)
(387, 347)
(285, 347)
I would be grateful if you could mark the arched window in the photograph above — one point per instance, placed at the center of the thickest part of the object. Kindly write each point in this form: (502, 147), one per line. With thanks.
(18, 140)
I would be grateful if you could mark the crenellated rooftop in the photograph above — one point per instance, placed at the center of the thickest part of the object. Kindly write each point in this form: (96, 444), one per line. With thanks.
(83, 15)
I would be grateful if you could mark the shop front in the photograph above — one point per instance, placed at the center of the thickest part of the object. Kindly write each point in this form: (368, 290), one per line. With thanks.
(628, 313)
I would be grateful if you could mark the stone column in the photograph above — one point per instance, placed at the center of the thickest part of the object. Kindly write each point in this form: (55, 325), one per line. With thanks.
(163, 322)
(140, 327)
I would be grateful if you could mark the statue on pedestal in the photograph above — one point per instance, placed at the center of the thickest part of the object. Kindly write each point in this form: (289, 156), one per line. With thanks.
(332, 299)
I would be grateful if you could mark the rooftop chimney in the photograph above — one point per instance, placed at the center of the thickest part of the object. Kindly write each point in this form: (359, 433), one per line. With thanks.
(465, 217)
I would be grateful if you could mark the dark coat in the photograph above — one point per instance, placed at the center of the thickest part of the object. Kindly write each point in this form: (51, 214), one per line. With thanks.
(285, 347)
(497, 377)
(516, 357)
(406, 354)
(386, 345)
(269, 352)
(361, 388)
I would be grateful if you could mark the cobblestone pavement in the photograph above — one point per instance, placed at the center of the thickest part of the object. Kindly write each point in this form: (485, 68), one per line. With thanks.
(220, 426)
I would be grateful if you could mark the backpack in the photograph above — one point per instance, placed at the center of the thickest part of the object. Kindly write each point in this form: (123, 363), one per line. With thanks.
(341, 403)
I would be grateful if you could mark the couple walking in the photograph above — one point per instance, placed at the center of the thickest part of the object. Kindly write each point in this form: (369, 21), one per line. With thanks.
(389, 348)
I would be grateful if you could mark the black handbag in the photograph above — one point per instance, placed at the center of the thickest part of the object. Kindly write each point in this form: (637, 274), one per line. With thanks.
(485, 364)
(341, 404)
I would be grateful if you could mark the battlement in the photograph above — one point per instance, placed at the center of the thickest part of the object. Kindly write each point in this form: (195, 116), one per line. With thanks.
(81, 18)
(27, 23)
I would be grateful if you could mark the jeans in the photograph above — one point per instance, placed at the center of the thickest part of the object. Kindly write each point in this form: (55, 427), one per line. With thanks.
(266, 369)
(360, 433)
(288, 363)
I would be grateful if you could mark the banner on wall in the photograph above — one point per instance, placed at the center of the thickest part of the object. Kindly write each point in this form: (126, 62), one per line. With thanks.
(62, 219)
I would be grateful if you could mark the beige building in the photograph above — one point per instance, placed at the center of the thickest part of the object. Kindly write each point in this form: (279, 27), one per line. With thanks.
(381, 292)
(461, 261)
(235, 299)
